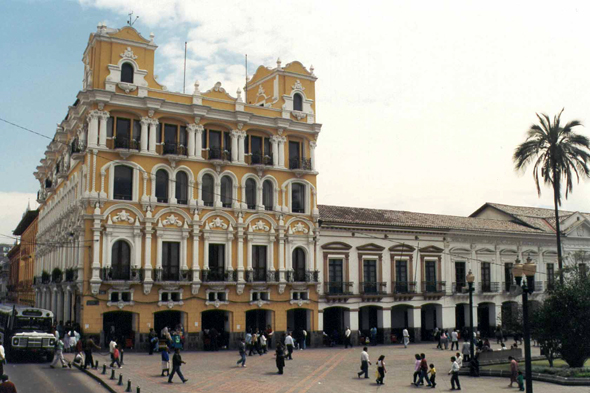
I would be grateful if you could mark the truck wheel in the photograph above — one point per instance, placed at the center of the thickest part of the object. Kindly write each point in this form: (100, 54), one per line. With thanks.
(50, 356)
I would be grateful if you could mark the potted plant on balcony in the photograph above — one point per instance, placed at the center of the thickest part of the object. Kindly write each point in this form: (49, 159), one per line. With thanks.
(135, 274)
(70, 274)
(57, 275)
(45, 277)
(185, 275)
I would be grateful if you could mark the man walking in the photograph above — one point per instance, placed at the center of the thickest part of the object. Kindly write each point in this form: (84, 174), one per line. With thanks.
(347, 342)
(454, 340)
(466, 350)
(89, 346)
(176, 363)
(242, 351)
(406, 337)
(374, 335)
(365, 361)
(59, 355)
(112, 347)
(289, 345)
(153, 339)
(423, 371)
(454, 372)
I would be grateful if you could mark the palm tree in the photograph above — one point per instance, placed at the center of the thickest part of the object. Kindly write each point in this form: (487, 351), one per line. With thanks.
(558, 154)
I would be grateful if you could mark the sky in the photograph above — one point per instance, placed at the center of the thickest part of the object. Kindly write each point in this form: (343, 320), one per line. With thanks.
(422, 103)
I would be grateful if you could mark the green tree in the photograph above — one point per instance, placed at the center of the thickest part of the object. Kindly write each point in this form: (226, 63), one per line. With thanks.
(558, 154)
(562, 322)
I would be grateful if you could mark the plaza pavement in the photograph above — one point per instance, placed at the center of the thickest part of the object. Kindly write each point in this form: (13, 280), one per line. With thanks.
(312, 370)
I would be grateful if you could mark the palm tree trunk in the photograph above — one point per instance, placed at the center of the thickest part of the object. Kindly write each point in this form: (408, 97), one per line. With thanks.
(556, 202)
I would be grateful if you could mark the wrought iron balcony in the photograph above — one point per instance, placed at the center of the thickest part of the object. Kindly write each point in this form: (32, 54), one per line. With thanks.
(338, 288)
(460, 288)
(300, 163)
(308, 276)
(175, 149)
(216, 153)
(372, 288)
(404, 287)
(126, 143)
(489, 287)
(257, 275)
(219, 275)
(433, 286)
(260, 159)
(124, 274)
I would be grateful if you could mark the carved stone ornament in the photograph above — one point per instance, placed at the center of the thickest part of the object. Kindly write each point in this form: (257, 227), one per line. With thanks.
(195, 288)
(120, 304)
(260, 303)
(172, 220)
(298, 115)
(260, 226)
(147, 288)
(127, 87)
(298, 86)
(217, 303)
(261, 91)
(170, 304)
(218, 223)
(300, 228)
(128, 54)
(123, 216)
(218, 87)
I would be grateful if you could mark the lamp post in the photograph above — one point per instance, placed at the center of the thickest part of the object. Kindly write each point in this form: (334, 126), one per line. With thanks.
(528, 270)
(470, 280)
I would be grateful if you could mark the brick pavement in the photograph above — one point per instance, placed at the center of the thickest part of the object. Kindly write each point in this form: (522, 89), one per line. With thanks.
(312, 370)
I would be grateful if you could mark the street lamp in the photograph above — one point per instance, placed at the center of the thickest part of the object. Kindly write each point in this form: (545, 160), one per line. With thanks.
(528, 270)
(470, 280)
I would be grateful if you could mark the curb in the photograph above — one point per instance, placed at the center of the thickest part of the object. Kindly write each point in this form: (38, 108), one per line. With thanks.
(565, 381)
(96, 378)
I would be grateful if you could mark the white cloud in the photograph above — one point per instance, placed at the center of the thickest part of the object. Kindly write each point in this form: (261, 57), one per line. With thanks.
(14, 204)
(422, 102)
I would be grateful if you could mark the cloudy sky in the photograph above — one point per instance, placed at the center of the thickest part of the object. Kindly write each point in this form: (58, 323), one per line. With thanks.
(422, 103)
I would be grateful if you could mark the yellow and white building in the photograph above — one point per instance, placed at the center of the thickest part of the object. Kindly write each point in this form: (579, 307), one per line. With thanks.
(195, 209)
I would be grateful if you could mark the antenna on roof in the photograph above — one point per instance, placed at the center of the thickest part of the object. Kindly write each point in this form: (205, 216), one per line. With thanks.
(184, 77)
(131, 21)
(246, 88)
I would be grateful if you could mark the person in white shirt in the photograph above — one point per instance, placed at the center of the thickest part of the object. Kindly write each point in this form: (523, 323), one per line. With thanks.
(2, 359)
(454, 371)
(459, 359)
(365, 361)
(289, 345)
(406, 337)
(262, 340)
(454, 340)
(347, 341)
(112, 346)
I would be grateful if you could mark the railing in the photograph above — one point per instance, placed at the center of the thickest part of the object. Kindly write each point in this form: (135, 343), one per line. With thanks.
(123, 197)
(76, 147)
(257, 275)
(404, 287)
(110, 274)
(219, 275)
(126, 143)
(372, 288)
(338, 288)
(260, 159)
(433, 286)
(300, 163)
(489, 287)
(215, 153)
(303, 276)
(173, 149)
(460, 288)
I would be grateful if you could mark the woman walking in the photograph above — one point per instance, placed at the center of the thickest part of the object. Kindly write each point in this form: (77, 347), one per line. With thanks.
(381, 370)
(513, 370)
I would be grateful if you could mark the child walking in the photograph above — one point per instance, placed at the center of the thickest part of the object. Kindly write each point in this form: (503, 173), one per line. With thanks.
(165, 362)
(520, 381)
(381, 370)
(432, 373)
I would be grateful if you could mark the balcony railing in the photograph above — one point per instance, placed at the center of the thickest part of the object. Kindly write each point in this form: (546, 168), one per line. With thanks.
(338, 288)
(460, 288)
(372, 288)
(110, 274)
(303, 276)
(257, 275)
(489, 287)
(215, 153)
(173, 149)
(126, 143)
(219, 275)
(300, 163)
(260, 159)
(433, 286)
(404, 287)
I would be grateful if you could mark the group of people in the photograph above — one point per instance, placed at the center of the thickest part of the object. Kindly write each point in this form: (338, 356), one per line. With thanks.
(173, 338)
(259, 342)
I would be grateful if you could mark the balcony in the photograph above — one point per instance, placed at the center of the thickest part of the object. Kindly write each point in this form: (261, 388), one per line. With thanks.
(77, 149)
(433, 287)
(172, 275)
(308, 276)
(404, 287)
(489, 287)
(460, 288)
(219, 275)
(260, 275)
(126, 143)
(260, 159)
(338, 288)
(215, 153)
(108, 274)
(300, 163)
(174, 149)
(372, 288)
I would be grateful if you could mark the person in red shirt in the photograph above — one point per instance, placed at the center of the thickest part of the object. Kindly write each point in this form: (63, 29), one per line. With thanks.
(6, 386)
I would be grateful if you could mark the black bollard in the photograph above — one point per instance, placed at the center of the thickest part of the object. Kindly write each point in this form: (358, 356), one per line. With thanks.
(96, 365)
(113, 374)
(104, 369)
(138, 390)
(120, 383)
(128, 386)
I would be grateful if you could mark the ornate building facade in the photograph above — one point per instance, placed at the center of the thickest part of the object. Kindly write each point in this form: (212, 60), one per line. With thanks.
(161, 208)
(22, 260)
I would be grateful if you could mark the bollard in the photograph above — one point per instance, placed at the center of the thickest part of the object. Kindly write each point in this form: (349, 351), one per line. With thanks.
(128, 386)
(113, 374)
(120, 383)
(138, 390)
(96, 365)
(104, 369)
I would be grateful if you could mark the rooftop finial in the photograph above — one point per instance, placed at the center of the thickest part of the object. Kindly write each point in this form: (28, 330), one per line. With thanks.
(197, 91)
(279, 62)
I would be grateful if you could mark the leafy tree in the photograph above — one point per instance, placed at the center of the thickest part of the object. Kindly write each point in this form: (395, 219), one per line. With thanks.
(558, 154)
(562, 322)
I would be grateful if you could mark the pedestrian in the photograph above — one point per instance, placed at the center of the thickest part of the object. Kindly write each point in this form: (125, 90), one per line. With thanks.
(365, 361)
(66, 340)
(444, 342)
(374, 335)
(280, 357)
(466, 350)
(254, 344)
(2, 359)
(152, 340)
(438, 338)
(269, 334)
(424, 370)
(459, 359)
(303, 344)
(381, 370)
(289, 345)
(112, 346)
(454, 340)
(520, 380)
(513, 370)
(116, 357)
(176, 363)
(89, 346)
(432, 373)
(416, 368)
(165, 362)
(347, 342)
(406, 336)
(7, 386)
(454, 372)
(446, 339)
(121, 348)
(59, 356)
(249, 342)
(262, 340)
(242, 351)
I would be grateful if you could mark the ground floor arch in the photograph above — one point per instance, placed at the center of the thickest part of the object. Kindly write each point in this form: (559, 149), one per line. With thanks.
(336, 320)
(486, 319)
(170, 319)
(258, 320)
(461, 316)
(370, 317)
(299, 319)
(403, 317)
(215, 326)
(431, 318)
(120, 326)
(510, 317)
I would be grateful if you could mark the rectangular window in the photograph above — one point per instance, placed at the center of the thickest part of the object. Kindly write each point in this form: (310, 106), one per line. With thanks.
(170, 131)
(370, 276)
(123, 128)
(297, 198)
(430, 276)
(486, 277)
(110, 122)
(136, 130)
(294, 155)
(217, 262)
(214, 145)
(182, 136)
(401, 277)
(123, 183)
(259, 262)
(550, 275)
(170, 261)
(204, 139)
(256, 146)
(335, 276)
(460, 276)
(226, 141)
(247, 144)
(508, 279)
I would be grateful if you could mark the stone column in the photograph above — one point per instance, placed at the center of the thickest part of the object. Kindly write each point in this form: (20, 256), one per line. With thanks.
(282, 141)
(92, 128)
(415, 323)
(384, 321)
(241, 146)
(312, 146)
(199, 141)
(240, 248)
(351, 319)
(143, 144)
(234, 145)
(275, 150)
(54, 299)
(147, 262)
(195, 263)
(153, 139)
(102, 136)
(191, 128)
(67, 304)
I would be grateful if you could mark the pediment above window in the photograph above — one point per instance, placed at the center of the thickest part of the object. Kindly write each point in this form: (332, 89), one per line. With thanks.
(336, 246)
(370, 247)
(431, 250)
(402, 248)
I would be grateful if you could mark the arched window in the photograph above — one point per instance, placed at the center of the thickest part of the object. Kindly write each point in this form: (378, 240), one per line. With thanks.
(182, 188)
(297, 102)
(251, 193)
(298, 198)
(127, 73)
(162, 186)
(226, 191)
(121, 261)
(298, 264)
(123, 183)
(207, 190)
(267, 195)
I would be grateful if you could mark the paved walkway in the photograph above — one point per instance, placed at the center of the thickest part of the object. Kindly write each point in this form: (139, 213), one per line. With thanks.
(312, 370)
